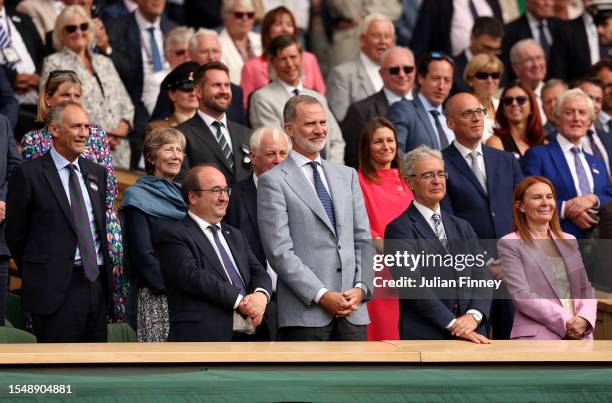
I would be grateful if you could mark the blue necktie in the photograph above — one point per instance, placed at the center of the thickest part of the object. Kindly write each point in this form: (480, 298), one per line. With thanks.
(81, 220)
(227, 262)
(322, 193)
(5, 41)
(583, 181)
(225, 148)
(155, 55)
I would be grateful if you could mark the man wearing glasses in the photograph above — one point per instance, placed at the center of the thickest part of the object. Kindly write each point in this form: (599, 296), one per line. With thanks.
(217, 289)
(479, 187)
(430, 312)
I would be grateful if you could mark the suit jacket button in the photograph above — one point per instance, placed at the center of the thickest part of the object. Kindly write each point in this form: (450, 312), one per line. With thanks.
(339, 247)
(493, 214)
(339, 269)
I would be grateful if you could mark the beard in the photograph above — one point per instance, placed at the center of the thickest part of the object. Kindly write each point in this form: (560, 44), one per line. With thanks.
(217, 106)
(309, 146)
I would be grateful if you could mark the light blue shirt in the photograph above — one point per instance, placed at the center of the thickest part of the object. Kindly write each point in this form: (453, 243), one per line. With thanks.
(450, 136)
(61, 164)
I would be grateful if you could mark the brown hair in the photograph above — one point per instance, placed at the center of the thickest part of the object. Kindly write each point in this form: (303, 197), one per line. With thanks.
(269, 20)
(155, 140)
(200, 73)
(365, 160)
(534, 132)
(50, 86)
(519, 222)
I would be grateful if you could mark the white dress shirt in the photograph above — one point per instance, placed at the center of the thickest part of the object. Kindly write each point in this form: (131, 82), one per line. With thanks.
(566, 148)
(534, 26)
(463, 21)
(291, 88)
(209, 120)
(604, 118)
(372, 70)
(592, 37)
(588, 147)
(465, 153)
(450, 136)
(392, 97)
(538, 93)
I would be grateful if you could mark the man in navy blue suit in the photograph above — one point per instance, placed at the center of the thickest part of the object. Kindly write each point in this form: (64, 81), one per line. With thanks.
(479, 188)
(425, 312)
(580, 179)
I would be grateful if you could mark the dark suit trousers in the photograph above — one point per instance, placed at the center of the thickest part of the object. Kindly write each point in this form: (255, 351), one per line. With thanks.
(82, 316)
(4, 282)
(339, 329)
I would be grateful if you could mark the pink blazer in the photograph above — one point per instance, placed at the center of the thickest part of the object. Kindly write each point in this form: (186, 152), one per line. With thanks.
(255, 75)
(530, 279)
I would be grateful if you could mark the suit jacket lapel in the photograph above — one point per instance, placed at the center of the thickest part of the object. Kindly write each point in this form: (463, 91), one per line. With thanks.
(234, 245)
(561, 165)
(204, 246)
(134, 41)
(94, 195)
(381, 104)
(208, 139)
(543, 263)
(424, 116)
(459, 162)
(52, 175)
(237, 147)
(364, 79)
(595, 170)
(336, 189)
(424, 229)
(249, 197)
(297, 182)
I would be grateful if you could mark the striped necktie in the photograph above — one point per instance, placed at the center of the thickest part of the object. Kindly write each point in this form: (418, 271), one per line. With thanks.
(322, 193)
(5, 41)
(225, 148)
(439, 230)
(583, 180)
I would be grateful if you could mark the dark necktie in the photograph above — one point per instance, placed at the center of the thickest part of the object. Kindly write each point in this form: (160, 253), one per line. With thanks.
(85, 238)
(296, 92)
(594, 148)
(441, 133)
(225, 148)
(322, 193)
(604, 51)
(583, 180)
(227, 262)
(155, 54)
(609, 125)
(439, 229)
(473, 10)
(543, 39)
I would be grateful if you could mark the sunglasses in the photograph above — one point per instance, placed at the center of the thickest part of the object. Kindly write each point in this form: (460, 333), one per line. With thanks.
(56, 73)
(180, 52)
(240, 15)
(483, 75)
(521, 100)
(395, 70)
(72, 28)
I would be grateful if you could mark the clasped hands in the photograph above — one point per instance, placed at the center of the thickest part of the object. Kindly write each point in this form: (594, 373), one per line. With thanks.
(342, 304)
(253, 306)
(576, 328)
(580, 210)
(464, 328)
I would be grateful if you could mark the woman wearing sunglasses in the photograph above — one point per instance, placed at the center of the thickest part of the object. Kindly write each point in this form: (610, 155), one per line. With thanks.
(276, 22)
(482, 74)
(64, 85)
(519, 125)
(104, 97)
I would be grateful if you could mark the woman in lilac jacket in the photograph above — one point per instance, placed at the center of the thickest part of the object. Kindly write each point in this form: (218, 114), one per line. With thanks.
(543, 269)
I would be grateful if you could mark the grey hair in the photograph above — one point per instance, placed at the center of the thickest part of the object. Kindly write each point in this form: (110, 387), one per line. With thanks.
(553, 82)
(68, 13)
(276, 133)
(290, 109)
(420, 153)
(574, 93)
(402, 48)
(520, 45)
(155, 140)
(227, 4)
(55, 114)
(177, 36)
(193, 41)
(370, 18)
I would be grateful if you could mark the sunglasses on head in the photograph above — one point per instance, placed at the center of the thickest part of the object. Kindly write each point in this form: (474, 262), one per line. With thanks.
(240, 15)
(483, 75)
(72, 28)
(521, 100)
(395, 70)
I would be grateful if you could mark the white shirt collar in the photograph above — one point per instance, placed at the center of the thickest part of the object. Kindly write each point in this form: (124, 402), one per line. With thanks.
(392, 97)
(367, 62)
(428, 106)
(534, 22)
(209, 119)
(60, 161)
(202, 222)
(565, 144)
(426, 211)
(255, 179)
(464, 151)
(302, 160)
(143, 24)
(290, 88)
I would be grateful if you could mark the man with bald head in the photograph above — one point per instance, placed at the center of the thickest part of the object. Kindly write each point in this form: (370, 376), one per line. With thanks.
(480, 183)
(397, 71)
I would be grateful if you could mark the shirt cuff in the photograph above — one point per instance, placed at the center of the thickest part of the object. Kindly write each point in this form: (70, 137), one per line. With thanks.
(263, 291)
(563, 210)
(320, 294)
(452, 322)
(238, 300)
(476, 314)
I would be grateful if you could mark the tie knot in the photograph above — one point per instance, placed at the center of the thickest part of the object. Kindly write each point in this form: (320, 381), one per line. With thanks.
(434, 113)
(313, 164)
(575, 150)
(217, 124)
(296, 92)
(474, 154)
(590, 133)
(213, 228)
(151, 30)
(72, 167)
(436, 218)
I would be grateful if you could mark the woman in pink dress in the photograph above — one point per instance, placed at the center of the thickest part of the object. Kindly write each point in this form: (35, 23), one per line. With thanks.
(255, 72)
(386, 196)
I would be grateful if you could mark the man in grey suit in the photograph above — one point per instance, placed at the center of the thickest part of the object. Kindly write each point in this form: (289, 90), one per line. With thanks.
(422, 120)
(357, 79)
(211, 137)
(315, 233)
(267, 103)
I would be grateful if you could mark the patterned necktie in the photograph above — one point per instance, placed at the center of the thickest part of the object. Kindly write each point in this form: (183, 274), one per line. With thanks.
(439, 230)
(441, 133)
(544, 39)
(322, 193)
(583, 181)
(155, 54)
(477, 171)
(594, 147)
(81, 220)
(296, 92)
(5, 41)
(225, 148)
(227, 262)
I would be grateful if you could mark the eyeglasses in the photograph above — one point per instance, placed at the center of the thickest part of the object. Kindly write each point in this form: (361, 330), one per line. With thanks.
(427, 176)
(240, 15)
(470, 113)
(180, 52)
(72, 28)
(521, 100)
(216, 192)
(483, 75)
(395, 70)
